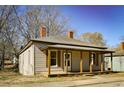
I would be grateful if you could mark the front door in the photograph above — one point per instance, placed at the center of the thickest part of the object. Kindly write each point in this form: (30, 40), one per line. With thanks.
(68, 57)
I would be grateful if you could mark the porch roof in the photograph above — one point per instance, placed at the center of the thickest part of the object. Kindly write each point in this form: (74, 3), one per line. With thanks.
(79, 48)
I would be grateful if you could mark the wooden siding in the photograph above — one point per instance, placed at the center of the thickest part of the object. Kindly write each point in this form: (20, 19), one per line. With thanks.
(40, 60)
(86, 59)
(75, 61)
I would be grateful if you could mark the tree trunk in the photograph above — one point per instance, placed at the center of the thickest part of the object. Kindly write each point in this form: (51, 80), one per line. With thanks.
(3, 56)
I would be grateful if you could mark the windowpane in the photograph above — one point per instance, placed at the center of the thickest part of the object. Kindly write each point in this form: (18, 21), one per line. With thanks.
(67, 56)
(53, 54)
(53, 58)
(53, 62)
(68, 62)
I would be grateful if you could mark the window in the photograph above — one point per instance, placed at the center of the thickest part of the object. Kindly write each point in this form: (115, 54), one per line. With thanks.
(53, 58)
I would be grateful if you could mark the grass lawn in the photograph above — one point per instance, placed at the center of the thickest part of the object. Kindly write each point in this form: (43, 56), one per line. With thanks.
(10, 77)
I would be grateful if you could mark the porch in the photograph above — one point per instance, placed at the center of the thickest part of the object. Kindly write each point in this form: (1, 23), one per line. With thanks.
(72, 60)
(61, 73)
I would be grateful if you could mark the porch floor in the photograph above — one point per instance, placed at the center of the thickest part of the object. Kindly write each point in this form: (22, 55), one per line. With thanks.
(62, 73)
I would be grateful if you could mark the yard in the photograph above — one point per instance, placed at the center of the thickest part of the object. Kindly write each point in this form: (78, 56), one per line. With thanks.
(8, 77)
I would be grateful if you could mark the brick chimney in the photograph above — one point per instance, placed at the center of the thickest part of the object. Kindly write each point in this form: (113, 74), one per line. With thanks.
(122, 46)
(43, 32)
(70, 34)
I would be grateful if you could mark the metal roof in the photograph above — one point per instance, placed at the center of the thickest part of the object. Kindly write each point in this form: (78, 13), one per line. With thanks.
(66, 40)
(78, 48)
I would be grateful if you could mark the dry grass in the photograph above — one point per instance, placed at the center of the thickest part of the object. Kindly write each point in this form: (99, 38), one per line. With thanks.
(10, 77)
(119, 74)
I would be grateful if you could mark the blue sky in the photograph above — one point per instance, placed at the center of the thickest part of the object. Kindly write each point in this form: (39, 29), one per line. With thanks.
(108, 20)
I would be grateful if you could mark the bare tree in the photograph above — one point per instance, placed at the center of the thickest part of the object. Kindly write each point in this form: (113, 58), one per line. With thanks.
(54, 21)
(2, 52)
(93, 38)
(36, 16)
(9, 38)
(5, 12)
(15, 27)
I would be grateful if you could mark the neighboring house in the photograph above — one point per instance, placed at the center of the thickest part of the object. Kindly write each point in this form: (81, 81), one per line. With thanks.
(118, 60)
(14, 60)
(60, 54)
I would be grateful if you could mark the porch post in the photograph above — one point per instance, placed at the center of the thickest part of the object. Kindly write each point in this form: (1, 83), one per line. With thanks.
(101, 62)
(91, 59)
(111, 62)
(66, 62)
(81, 62)
(49, 62)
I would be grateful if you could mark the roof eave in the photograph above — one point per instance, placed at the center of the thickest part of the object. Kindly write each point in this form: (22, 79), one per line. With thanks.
(69, 44)
(105, 51)
(26, 46)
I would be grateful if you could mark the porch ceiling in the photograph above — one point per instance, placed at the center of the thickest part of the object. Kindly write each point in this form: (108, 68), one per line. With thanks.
(79, 48)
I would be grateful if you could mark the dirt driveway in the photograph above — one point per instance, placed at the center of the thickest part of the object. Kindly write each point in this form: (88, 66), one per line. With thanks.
(10, 78)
